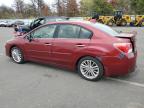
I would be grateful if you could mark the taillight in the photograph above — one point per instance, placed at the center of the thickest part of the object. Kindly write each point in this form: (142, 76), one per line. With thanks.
(123, 47)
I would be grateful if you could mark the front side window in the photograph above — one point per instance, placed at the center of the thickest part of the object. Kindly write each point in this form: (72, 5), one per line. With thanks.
(68, 31)
(44, 32)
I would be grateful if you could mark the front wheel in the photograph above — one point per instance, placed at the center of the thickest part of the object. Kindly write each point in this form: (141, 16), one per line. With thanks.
(17, 55)
(90, 68)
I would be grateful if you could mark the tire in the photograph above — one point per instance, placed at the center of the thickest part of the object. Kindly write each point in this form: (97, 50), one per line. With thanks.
(86, 68)
(17, 55)
(110, 23)
(100, 21)
(118, 23)
(123, 22)
(142, 23)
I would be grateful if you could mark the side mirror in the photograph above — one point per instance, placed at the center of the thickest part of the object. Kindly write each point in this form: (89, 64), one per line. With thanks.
(29, 37)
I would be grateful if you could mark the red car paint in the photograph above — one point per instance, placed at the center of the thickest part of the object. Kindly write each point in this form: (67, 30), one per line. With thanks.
(64, 52)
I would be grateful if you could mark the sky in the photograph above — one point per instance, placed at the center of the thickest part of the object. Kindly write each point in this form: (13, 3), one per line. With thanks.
(10, 2)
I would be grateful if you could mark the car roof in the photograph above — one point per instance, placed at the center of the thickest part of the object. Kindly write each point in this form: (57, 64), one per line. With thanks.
(49, 17)
(71, 22)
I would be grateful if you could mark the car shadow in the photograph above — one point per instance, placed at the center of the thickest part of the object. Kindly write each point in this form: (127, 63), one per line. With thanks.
(56, 69)
(52, 67)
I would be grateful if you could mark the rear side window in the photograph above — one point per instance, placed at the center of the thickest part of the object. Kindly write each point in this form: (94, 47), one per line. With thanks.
(85, 34)
(68, 31)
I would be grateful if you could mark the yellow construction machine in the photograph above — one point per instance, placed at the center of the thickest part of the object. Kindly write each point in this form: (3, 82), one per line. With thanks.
(137, 20)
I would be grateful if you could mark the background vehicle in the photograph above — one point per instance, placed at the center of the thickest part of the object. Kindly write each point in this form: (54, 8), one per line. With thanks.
(108, 20)
(16, 23)
(40, 21)
(120, 19)
(3, 23)
(76, 19)
(93, 49)
(117, 19)
(10, 23)
(138, 20)
(96, 16)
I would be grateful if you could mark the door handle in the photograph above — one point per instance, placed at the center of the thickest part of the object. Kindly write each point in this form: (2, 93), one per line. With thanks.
(48, 44)
(80, 45)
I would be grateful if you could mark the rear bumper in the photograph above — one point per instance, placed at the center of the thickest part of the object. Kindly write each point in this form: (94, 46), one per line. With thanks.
(115, 66)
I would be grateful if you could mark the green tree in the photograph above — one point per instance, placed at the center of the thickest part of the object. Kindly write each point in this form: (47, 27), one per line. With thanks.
(61, 7)
(96, 6)
(86, 7)
(102, 7)
(6, 12)
(67, 7)
(123, 5)
(137, 6)
(72, 8)
(30, 11)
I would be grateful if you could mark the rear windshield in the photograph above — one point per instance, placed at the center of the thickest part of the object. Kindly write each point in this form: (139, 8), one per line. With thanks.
(105, 28)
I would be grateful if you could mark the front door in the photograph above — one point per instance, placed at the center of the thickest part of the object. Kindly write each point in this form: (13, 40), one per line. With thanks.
(40, 46)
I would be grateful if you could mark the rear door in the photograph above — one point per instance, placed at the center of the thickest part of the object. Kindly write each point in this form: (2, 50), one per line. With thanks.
(70, 40)
(40, 46)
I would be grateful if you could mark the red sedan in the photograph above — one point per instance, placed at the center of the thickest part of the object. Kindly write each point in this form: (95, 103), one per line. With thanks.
(94, 50)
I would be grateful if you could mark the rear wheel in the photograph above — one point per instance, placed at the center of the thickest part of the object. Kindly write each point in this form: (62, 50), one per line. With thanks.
(118, 22)
(100, 21)
(110, 23)
(90, 68)
(123, 22)
(142, 23)
(17, 55)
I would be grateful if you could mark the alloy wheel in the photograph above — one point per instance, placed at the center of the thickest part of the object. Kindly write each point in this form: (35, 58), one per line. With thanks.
(16, 55)
(89, 69)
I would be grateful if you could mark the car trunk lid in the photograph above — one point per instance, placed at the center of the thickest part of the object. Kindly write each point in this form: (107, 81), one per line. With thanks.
(131, 36)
